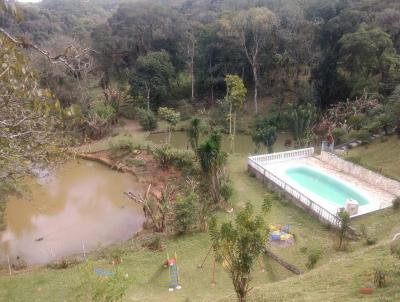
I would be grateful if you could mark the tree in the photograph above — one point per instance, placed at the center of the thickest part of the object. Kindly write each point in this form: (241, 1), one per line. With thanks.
(171, 117)
(300, 120)
(136, 29)
(252, 29)
(235, 94)
(150, 80)
(212, 160)
(30, 118)
(193, 133)
(238, 245)
(263, 131)
(185, 211)
(343, 229)
(157, 208)
(368, 60)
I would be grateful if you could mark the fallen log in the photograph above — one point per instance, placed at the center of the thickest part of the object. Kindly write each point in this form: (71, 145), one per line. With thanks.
(285, 264)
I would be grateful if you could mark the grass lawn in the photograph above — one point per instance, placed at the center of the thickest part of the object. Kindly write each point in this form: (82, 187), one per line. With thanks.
(383, 157)
(338, 280)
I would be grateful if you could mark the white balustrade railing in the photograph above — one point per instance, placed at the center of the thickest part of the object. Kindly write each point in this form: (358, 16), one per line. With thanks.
(313, 207)
(282, 156)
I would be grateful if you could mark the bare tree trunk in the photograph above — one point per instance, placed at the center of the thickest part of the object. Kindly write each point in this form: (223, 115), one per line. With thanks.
(148, 98)
(212, 82)
(192, 69)
(255, 75)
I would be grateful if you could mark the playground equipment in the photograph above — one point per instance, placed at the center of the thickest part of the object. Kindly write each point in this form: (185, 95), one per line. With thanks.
(173, 272)
(103, 272)
(280, 235)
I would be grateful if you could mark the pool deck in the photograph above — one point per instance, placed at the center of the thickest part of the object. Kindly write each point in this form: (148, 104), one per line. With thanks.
(377, 196)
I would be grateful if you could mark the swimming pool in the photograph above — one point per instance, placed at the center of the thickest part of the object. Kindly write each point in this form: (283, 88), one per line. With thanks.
(324, 185)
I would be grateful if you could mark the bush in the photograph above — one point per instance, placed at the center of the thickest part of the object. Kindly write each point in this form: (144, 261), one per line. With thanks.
(155, 243)
(94, 287)
(124, 144)
(313, 257)
(62, 263)
(186, 109)
(185, 213)
(379, 277)
(147, 119)
(183, 159)
(354, 159)
(362, 135)
(167, 156)
(128, 111)
(358, 121)
(369, 240)
(396, 203)
(105, 112)
(338, 134)
(164, 155)
(373, 127)
(395, 248)
(226, 190)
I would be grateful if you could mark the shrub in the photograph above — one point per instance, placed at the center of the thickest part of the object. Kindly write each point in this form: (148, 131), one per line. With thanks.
(185, 213)
(313, 257)
(93, 287)
(186, 109)
(373, 127)
(338, 134)
(124, 144)
(105, 112)
(62, 263)
(155, 243)
(183, 159)
(128, 110)
(396, 203)
(167, 156)
(354, 159)
(19, 264)
(147, 119)
(358, 121)
(362, 135)
(379, 277)
(252, 174)
(164, 155)
(226, 190)
(395, 248)
(371, 240)
(136, 162)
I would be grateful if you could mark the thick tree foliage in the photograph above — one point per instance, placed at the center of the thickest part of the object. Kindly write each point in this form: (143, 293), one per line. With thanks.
(29, 116)
(151, 78)
(238, 245)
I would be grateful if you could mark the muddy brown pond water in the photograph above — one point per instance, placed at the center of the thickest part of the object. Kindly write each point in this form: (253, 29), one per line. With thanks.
(80, 206)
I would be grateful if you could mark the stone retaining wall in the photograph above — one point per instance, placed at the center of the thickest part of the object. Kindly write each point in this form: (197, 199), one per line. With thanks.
(373, 178)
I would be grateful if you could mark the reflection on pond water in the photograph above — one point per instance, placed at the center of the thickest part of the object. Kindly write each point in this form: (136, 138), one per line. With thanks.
(80, 207)
(243, 142)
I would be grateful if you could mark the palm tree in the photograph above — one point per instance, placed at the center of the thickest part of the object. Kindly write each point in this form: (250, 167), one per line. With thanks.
(212, 161)
(193, 133)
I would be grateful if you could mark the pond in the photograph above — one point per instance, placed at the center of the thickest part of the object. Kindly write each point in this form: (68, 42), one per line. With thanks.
(243, 142)
(77, 208)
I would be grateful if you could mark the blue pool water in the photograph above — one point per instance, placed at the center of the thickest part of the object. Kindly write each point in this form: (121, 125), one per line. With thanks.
(325, 186)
